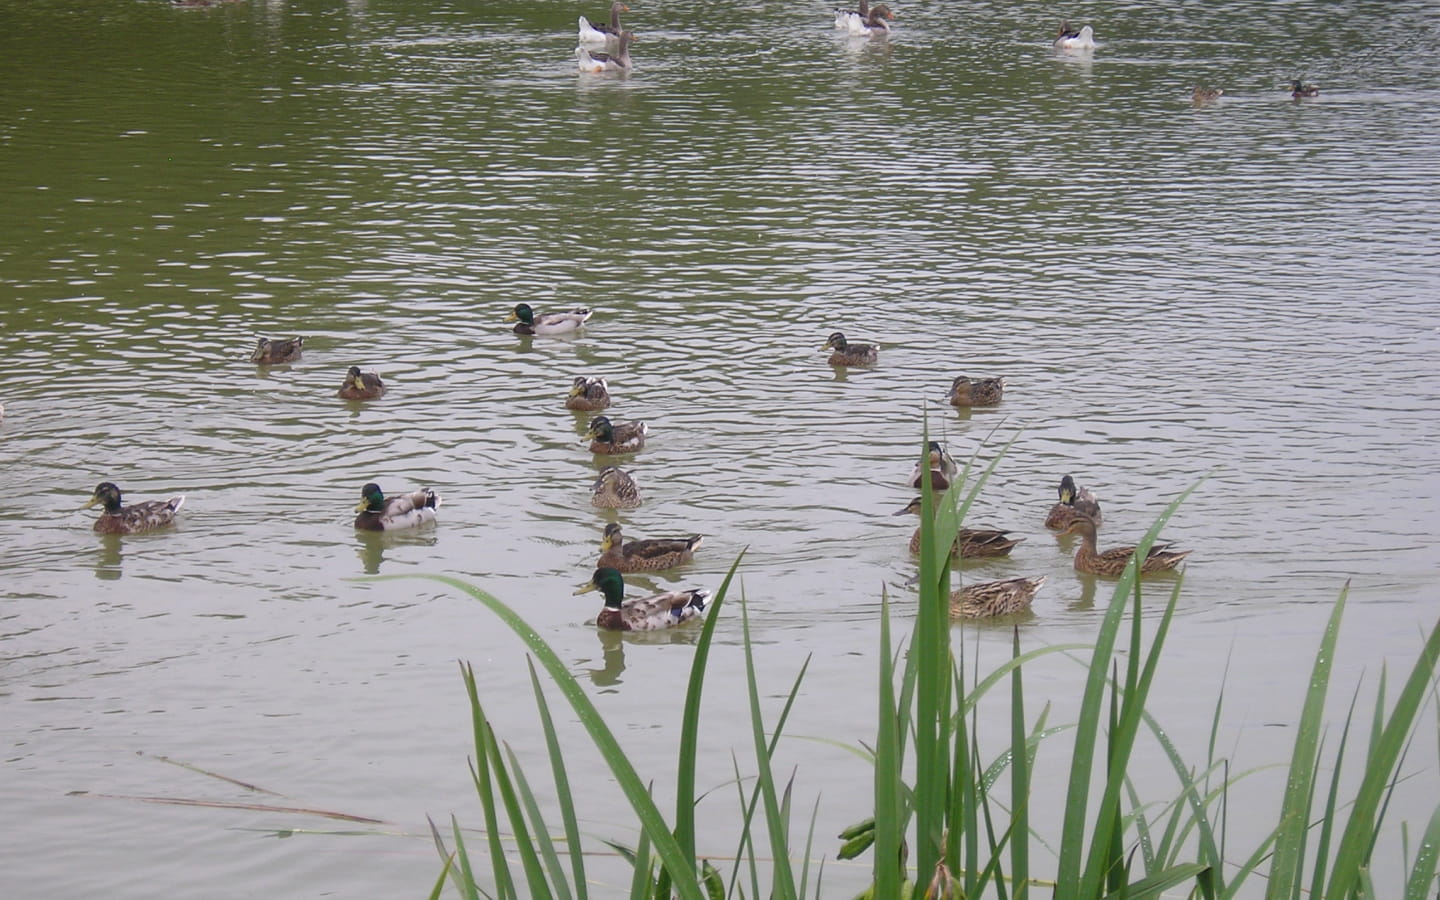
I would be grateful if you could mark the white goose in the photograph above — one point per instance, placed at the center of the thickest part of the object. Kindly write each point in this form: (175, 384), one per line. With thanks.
(599, 34)
(619, 61)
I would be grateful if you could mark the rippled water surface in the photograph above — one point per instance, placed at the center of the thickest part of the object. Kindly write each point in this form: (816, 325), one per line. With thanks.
(1243, 292)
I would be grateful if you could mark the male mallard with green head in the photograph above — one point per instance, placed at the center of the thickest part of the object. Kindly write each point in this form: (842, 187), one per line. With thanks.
(994, 598)
(610, 438)
(651, 613)
(588, 394)
(940, 467)
(970, 543)
(138, 517)
(645, 555)
(378, 512)
(528, 321)
(850, 354)
(361, 386)
(1113, 561)
(1073, 502)
(277, 351)
(615, 489)
(965, 391)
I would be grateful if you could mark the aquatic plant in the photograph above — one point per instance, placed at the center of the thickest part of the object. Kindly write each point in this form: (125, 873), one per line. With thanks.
(951, 818)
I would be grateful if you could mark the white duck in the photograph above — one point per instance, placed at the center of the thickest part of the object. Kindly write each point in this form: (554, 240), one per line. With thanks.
(599, 34)
(1068, 39)
(619, 61)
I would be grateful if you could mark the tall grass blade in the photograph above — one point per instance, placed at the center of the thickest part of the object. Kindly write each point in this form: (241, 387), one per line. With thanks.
(1286, 865)
(1352, 855)
(783, 880)
(1421, 883)
(480, 775)
(889, 822)
(1019, 832)
(614, 755)
(563, 795)
(543, 843)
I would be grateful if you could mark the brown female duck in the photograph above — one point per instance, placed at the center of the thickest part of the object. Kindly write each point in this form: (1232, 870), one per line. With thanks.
(646, 555)
(849, 354)
(1113, 561)
(994, 598)
(588, 394)
(361, 386)
(965, 391)
(970, 543)
(1073, 502)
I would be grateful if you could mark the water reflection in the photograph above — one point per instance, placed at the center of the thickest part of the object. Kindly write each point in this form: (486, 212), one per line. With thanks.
(108, 562)
(373, 545)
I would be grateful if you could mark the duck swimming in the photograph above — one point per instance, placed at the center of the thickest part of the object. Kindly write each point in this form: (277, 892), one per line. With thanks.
(1299, 90)
(994, 598)
(144, 516)
(970, 543)
(378, 512)
(1067, 39)
(1074, 502)
(588, 394)
(610, 438)
(1113, 561)
(646, 555)
(652, 613)
(975, 391)
(271, 352)
(361, 386)
(848, 354)
(615, 489)
(528, 321)
(939, 467)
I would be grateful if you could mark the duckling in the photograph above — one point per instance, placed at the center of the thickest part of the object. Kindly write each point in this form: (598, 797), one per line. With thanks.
(273, 352)
(1074, 502)
(588, 394)
(641, 613)
(361, 386)
(941, 468)
(994, 598)
(644, 555)
(1068, 39)
(1300, 90)
(530, 322)
(1204, 95)
(597, 62)
(975, 391)
(599, 34)
(137, 517)
(609, 438)
(848, 354)
(1113, 561)
(380, 513)
(615, 489)
(970, 543)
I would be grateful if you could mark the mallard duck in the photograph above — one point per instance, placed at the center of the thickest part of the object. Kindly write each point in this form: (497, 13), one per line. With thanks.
(975, 391)
(615, 489)
(270, 352)
(646, 555)
(876, 23)
(941, 468)
(611, 438)
(1068, 39)
(619, 61)
(588, 394)
(848, 354)
(994, 598)
(378, 512)
(137, 517)
(1204, 95)
(843, 16)
(1073, 502)
(1300, 90)
(530, 322)
(361, 385)
(641, 613)
(970, 543)
(1113, 561)
(599, 34)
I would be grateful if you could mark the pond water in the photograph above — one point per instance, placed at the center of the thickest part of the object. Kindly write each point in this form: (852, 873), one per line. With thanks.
(1242, 292)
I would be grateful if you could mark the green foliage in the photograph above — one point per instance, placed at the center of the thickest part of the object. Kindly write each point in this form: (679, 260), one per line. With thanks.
(968, 840)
